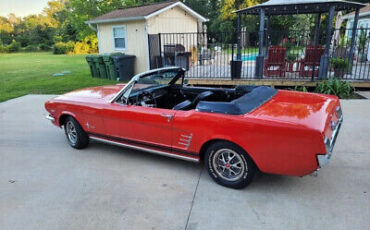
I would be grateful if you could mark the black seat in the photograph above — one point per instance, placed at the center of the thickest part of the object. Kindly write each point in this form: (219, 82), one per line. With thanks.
(241, 90)
(202, 96)
(183, 105)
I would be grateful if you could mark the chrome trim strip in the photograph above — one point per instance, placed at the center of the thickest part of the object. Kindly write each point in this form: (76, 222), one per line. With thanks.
(144, 149)
(50, 118)
(324, 159)
(335, 133)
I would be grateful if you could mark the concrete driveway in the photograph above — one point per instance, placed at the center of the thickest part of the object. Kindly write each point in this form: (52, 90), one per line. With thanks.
(45, 184)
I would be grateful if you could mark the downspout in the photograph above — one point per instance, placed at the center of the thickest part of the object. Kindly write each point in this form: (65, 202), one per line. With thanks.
(147, 44)
(92, 27)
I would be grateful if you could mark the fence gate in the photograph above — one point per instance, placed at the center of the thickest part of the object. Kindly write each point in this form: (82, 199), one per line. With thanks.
(154, 41)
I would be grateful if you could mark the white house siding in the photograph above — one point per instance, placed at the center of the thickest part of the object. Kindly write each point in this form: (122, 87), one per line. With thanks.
(174, 20)
(136, 41)
(362, 23)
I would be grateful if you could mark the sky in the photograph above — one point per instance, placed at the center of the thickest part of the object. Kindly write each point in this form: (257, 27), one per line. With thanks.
(21, 7)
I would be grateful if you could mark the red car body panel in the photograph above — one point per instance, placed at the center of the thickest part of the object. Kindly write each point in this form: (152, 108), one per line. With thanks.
(282, 136)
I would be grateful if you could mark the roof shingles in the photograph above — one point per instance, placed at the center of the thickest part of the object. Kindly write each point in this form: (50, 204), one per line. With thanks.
(362, 10)
(140, 11)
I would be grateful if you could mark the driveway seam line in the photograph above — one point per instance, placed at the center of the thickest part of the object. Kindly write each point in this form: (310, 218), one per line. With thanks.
(192, 202)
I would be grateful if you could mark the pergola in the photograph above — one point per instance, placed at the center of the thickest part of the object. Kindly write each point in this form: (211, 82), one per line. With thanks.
(290, 7)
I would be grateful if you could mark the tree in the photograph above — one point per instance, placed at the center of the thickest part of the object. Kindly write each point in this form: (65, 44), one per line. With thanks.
(79, 11)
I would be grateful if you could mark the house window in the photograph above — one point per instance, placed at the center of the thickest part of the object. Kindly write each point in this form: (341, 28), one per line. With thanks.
(119, 37)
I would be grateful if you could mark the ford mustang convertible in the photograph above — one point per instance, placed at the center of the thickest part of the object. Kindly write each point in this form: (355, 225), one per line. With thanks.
(234, 131)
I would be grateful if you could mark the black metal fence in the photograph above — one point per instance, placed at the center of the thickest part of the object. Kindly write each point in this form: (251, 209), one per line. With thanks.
(293, 55)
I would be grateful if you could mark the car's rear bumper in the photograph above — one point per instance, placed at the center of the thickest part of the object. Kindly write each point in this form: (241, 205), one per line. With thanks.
(324, 159)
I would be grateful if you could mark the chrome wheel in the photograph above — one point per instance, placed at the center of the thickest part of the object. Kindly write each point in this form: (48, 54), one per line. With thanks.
(228, 164)
(71, 132)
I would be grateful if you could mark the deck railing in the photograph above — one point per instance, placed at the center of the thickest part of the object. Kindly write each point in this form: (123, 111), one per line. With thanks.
(291, 55)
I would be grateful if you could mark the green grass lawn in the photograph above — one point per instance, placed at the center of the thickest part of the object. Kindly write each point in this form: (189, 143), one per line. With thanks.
(245, 51)
(32, 73)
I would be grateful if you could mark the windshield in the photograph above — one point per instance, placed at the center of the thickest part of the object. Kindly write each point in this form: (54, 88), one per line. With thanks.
(155, 79)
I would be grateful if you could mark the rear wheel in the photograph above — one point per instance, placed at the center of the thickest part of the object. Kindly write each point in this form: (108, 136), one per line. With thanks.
(229, 165)
(76, 136)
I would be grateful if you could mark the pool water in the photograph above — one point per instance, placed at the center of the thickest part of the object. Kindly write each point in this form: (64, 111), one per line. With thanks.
(248, 57)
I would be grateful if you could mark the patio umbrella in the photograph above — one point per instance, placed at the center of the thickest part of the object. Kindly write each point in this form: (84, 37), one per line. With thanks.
(338, 23)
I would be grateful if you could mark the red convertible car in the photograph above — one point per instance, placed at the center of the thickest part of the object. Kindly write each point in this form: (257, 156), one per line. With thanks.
(234, 131)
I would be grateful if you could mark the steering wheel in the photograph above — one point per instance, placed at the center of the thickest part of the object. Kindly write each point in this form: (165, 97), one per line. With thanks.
(144, 97)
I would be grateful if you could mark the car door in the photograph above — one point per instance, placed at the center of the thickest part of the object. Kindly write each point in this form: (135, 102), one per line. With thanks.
(143, 126)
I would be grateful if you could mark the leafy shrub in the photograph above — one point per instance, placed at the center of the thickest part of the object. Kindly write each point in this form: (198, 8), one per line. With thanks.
(59, 48)
(81, 48)
(13, 47)
(58, 38)
(44, 47)
(300, 88)
(92, 40)
(362, 40)
(2, 47)
(63, 48)
(339, 63)
(88, 45)
(291, 56)
(341, 89)
(70, 46)
(31, 48)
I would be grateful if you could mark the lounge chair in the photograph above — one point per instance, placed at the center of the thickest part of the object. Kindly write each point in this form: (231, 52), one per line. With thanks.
(310, 64)
(275, 63)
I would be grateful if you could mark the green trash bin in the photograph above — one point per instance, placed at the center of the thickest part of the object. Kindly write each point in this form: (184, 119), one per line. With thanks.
(109, 65)
(100, 66)
(90, 62)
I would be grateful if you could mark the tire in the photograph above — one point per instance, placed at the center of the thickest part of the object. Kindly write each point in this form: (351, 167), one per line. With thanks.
(237, 172)
(76, 136)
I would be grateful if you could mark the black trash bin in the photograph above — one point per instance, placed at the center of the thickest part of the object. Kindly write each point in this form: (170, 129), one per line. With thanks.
(125, 66)
(236, 69)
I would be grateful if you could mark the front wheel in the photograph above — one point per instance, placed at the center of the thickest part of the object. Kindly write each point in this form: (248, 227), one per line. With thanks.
(76, 136)
(229, 165)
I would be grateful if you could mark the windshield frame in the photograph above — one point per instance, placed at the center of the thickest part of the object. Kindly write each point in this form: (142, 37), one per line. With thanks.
(130, 85)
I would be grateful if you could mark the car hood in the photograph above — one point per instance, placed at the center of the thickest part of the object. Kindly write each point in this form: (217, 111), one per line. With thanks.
(105, 93)
(308, 110)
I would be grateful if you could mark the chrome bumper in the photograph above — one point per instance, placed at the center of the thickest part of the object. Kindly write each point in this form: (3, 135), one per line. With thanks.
(324, 159)
(50, 118)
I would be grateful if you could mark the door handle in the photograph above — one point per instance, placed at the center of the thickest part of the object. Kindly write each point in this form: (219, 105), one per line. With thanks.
(168, 116)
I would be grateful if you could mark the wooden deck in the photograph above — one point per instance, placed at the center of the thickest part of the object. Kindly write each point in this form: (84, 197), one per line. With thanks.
(215, 73)
(267, 82)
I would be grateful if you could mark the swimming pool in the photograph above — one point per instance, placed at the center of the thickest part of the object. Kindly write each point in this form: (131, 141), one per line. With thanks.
(247, 57)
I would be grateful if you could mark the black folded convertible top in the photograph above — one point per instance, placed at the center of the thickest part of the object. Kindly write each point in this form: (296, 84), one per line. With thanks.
(255, 97)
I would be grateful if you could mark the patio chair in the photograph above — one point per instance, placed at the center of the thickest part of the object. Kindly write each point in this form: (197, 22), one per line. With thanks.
(170, 52)
(275, 63)
(206, 55)
(310, 64)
